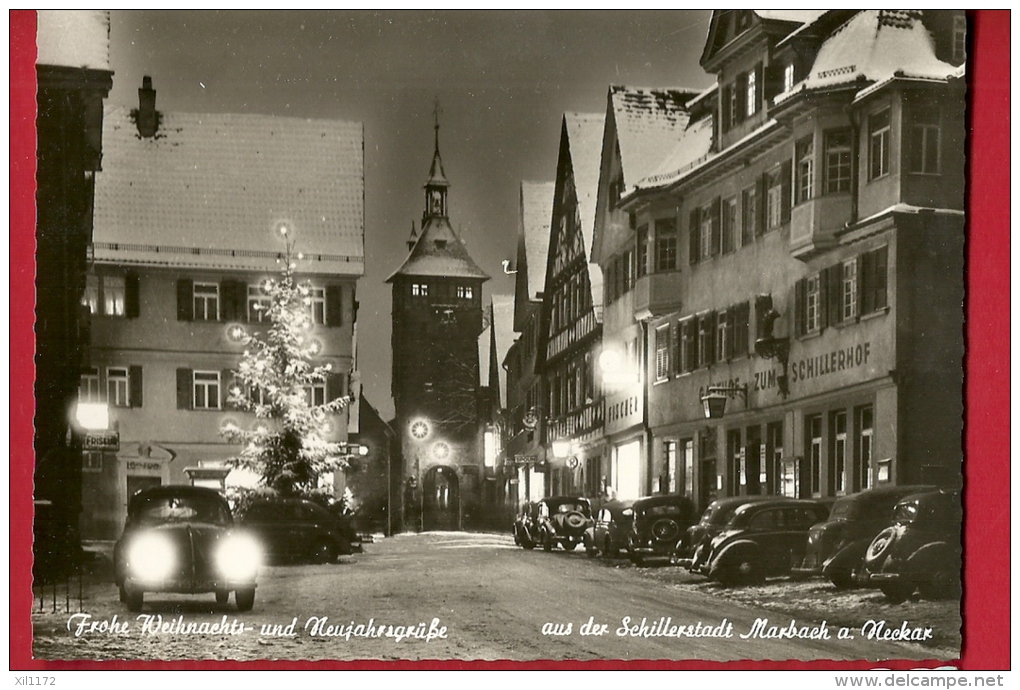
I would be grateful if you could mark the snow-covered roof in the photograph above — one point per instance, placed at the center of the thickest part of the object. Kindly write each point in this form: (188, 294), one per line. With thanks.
(439, 252)
(210, 190)
(693, 147)
(802, 16)
(647, 123)
(874, 46)
(73, 38)
(536, 215)
(584, 135)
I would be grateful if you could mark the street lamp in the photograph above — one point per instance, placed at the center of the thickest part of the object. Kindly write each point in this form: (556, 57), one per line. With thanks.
(714, 399)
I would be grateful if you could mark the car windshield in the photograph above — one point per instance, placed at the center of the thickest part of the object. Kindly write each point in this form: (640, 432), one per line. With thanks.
(661, 510)
(160, 509)
(844, 509)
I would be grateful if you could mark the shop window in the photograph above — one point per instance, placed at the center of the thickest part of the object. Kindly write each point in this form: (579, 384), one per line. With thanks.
(837, 459)
(206, 302)
(117, 387)
(805, 152)
(879, 136)
(813, 441)
(838, 149)
(863, 449)
(665, 244)
(923, 157)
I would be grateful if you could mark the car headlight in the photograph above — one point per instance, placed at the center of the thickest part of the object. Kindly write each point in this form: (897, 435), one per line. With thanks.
(151, 557)
(238, 557)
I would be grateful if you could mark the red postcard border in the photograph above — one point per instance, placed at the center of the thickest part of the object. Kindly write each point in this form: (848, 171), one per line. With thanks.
(986, 633)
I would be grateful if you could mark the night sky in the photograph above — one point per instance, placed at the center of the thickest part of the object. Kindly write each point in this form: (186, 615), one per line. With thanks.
(503, 81)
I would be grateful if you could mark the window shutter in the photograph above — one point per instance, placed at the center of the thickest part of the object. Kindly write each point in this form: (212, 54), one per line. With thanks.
(135, 386)
(799, 304)
(773, 80)
(728, 345)
(881, 272)
(185, 300)
(131, 310)
(228, 300)
(695, 243)
(185, 393)
(710, 338)
(677, 364)
(824, 296)
(866, 280)
(741, 332)
(741, 100)
(759, 86)
(334, 386)
(761, 193)
(786, 178)
(716, 238)
(835, 306)
(334, 305)
(727, 120)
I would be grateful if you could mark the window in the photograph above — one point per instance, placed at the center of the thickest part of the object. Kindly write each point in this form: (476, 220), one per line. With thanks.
(812, 304)
(258, 304)
(878, 128)
(774, 199)
(317, 305)
(863, 448)
(688, 345)
(705, 233)
(419, 290)
(117, 387)
(959, 38)
(837, 462)
(805, 151)
(849, 301)
(91, 297)
(924, 141)
(316, 393)
(788, 77)
(662, 353)
(813, 428)
(206, 301)
(749, 217)
(113, 295)
(670, 458)
(734, 103)
(665, 244)
(729, 225)
(206, 390)
(465, 292)
(838, 144)
(752, 93)
(706, 331)
(723, 337)
(687, 448)
(740, 318)
(88, 386)
(642, 251)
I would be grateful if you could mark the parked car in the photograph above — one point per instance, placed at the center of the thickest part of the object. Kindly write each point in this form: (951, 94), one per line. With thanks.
(659, 521)
(920, 550)
(526, 534)
(837, 546)
(183, 539)
(607, 535)
(713, 521)
(763, 539)
(346, 519)
(562, 520)
(297, 529)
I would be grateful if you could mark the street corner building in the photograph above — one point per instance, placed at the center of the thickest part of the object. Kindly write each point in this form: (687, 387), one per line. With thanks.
(189, 213)
(754, 288)
(436, 322)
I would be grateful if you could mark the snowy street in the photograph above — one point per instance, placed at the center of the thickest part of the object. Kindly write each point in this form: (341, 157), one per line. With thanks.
(467, 596)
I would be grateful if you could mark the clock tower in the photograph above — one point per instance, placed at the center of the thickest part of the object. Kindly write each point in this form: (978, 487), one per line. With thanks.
(437, 317)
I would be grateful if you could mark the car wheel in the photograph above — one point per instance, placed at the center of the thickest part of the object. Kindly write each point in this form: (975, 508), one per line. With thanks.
(635, 558)
(610, 550)
(245, 598)
(665, 530)
(132, 598)
(897, 592)
(527, 544)
(547, 542)
(843, 579)
(569, 545)
(222, 596)
(323, 552)
(589, 548)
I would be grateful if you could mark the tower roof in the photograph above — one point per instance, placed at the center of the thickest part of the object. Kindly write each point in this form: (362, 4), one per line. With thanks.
(439, 252)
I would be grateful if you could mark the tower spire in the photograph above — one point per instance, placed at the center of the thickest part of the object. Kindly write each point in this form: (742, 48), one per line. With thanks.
(436, 186)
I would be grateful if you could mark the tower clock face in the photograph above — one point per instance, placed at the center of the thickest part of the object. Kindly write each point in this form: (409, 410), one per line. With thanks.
(436, 201)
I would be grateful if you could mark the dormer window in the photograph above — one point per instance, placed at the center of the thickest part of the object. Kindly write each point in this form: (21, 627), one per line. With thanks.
(788, 77)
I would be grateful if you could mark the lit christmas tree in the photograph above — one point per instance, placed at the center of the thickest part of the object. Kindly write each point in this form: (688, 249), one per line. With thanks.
(286, 448)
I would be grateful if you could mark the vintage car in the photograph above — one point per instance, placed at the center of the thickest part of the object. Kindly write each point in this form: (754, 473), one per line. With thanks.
(295, 529)
(183, 539)
(836, 547)
(713, 521)
(526, 534)
(659, 521)
(763, 539)
(562, 520)
(920, 551)
(608, 534)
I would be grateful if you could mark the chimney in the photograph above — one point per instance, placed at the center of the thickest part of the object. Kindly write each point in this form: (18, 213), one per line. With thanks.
(147, 121)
